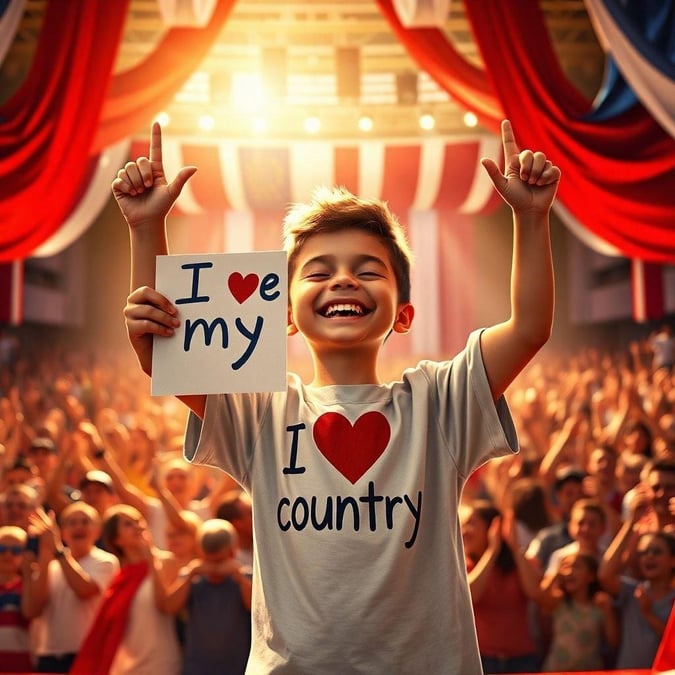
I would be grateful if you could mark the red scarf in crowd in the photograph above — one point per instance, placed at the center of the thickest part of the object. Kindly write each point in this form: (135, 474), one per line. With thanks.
(105, 635)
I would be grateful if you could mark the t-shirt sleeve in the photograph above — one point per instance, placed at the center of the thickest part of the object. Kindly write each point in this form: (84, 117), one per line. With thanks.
(227, 436)
(476, 428)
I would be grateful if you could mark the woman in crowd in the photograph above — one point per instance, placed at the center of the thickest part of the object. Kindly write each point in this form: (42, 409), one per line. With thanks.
(130, 635)
(502, 582)
(644, 600)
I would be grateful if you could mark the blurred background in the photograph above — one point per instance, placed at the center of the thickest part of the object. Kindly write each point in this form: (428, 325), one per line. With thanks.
(396, 99)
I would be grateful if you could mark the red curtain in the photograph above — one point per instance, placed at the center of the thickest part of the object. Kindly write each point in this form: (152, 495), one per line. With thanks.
(70, 107)
(618, 175)
(47, 127)
(437, 56)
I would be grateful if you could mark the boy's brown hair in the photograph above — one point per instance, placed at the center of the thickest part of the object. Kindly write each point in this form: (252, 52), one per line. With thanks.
(336, 209)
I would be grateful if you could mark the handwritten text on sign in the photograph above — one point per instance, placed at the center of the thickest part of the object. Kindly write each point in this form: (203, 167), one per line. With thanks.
(232, 336)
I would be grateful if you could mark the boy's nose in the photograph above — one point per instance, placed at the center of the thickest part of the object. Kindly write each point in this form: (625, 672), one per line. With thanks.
(344, 279)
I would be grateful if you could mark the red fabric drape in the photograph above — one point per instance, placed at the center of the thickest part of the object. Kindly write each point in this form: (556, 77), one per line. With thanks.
(62, 115)
(136, 95)
(435, 54)
(618, 174)
(101, 643)
(47, 127)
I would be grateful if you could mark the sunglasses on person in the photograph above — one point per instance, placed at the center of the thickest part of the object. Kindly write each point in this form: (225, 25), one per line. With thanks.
(652, 550)
(14, 550)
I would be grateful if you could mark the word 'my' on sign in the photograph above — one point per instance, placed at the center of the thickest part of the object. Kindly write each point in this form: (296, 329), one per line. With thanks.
(232, 337)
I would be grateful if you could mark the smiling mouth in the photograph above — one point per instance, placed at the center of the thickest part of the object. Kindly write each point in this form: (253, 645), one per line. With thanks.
(343, 309)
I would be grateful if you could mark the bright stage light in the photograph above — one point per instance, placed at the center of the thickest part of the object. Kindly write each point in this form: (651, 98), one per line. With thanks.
(427, 122)
(470, 119)
(248, 92)
(206, 122)
(163, 119)
(259, 125)
(312, 125)
(365, 123)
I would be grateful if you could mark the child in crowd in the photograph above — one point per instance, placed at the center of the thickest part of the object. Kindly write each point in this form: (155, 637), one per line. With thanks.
(356, 483)
(216, 592)
(17, 601)
(588, 521)
(583, 618)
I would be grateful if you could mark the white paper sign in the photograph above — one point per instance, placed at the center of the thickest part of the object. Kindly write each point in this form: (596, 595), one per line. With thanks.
(232, 336)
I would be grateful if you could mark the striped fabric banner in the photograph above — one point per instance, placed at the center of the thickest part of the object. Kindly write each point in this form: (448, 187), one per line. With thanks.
(11, 292)
(648, 291)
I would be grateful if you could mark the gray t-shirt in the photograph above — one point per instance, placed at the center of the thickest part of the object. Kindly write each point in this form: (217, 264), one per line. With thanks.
(359, 564)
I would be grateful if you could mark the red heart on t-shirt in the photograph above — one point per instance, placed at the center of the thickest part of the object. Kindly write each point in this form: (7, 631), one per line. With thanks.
(242, 287)
(352, 449)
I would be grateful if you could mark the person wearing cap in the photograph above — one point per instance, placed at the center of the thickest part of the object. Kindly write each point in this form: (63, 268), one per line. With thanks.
(43, 455)
(98, 490)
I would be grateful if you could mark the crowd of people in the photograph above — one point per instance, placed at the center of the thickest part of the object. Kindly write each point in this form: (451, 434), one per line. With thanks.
(569, 544)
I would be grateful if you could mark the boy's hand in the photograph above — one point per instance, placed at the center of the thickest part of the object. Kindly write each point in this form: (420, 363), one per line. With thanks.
(148, 313)
(44, 526)
(529, 181)
(141, 189)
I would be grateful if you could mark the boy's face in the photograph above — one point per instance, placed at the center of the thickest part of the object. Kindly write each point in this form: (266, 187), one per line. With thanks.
(218, 565)
(586, 526)
(343, 292)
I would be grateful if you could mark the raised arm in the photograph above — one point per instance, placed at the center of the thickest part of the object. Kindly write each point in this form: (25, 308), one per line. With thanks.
(528, 185)
(145, 197)
(614, 560)
(479, 576)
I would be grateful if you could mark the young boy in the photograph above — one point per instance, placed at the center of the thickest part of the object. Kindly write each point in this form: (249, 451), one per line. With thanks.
(216, 592)
(588, 522)
(18, 604)
(355, 484)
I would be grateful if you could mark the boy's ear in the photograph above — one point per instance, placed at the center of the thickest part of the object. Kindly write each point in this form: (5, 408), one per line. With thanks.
(291, 328)
(404, 318)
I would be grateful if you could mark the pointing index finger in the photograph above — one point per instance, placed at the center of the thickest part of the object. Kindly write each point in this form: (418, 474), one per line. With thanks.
(508, 140)
(156, 143)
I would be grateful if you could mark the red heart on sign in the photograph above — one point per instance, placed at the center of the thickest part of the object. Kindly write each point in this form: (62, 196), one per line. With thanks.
(352, 450)
(242, 287)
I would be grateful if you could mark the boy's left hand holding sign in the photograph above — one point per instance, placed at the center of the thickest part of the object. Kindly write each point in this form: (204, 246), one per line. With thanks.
(246, 325)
